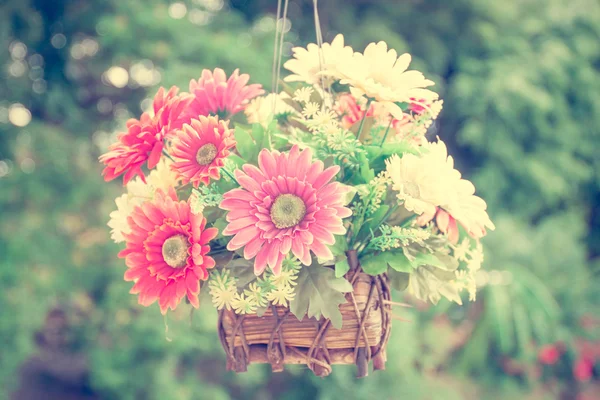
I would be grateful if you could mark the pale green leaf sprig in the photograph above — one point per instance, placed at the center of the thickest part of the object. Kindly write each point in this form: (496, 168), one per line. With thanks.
(205, 196)
(393, 237)
(340, 145)
(371, 195)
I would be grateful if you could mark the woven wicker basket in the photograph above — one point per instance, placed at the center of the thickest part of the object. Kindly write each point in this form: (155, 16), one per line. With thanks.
(279, 338)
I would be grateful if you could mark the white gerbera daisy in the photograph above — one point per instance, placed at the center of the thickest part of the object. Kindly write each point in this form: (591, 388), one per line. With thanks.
(163, 177)
(138, 192)
(303, 94)
(380, 74)
(260, 110)
(310, 61)
(118, 218)
(468, 209)
(420, 181)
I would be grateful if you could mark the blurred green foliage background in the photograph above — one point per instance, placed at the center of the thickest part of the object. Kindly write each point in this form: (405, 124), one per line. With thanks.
(521, 84)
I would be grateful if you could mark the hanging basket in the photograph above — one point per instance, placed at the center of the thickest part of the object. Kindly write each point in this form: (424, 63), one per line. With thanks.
(278, 337)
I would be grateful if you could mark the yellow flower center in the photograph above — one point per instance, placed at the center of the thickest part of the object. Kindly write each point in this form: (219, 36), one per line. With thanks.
(287, 211)
(175, 251)
(206, 154)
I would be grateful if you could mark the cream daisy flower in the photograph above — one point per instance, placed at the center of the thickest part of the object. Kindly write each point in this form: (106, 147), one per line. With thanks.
(310, 109)
(257, 294)
(139, 192)
(303, 94)
(308, 62)
(242, 304)
(281, 295)
(380, 74)
(222, 289)
(285, 278)
(420, 181)
(260, 110)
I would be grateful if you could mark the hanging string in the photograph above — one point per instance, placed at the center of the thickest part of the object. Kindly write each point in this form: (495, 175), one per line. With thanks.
(275, 47)
(278, 49)
(319, 36)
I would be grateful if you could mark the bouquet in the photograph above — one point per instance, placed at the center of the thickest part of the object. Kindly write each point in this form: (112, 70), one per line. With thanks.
(299, 210)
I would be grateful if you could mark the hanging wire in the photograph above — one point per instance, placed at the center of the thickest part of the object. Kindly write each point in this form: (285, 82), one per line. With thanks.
(319, 35)
(275, 47)
(281, 35)
(278, 49)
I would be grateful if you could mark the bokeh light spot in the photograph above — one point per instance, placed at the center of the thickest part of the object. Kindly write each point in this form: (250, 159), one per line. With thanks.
(18, 115)
(117, 76)
(28, 165)
(58, 41)
(177, 10)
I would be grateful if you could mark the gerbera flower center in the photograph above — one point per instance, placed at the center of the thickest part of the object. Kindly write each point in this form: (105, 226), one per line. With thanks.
(287, 211)
(412, 189)
(175, 251)
(206, 154)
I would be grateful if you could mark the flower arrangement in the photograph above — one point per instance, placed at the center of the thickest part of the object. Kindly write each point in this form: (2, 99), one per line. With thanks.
(282, 205)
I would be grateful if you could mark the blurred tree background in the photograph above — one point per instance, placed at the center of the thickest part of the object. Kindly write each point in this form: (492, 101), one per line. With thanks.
(521, 84)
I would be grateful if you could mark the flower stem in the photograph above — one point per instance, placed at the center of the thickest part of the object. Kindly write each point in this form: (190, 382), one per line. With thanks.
(408, 221)
(362, 121)
(229, 175)
(372, 234)
(386, 132)
(167, 155)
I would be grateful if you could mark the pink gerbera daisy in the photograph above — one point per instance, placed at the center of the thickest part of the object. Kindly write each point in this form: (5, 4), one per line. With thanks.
(144, 139)
(286, 204)
(166, 252)
(214, 94)
(200, 149)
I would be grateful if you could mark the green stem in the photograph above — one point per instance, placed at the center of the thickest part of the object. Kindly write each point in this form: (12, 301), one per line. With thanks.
(408, 221)
(372, 234)
(229, 175)
(362, 121)
(167, 155)
(386, 132)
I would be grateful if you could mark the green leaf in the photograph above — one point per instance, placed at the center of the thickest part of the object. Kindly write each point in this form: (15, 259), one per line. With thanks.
(366, 173)
(375, 220)
(258, 134)
(398, 280)
(340, 246)
(341, 267)
(425, 259)
(237, 160)
(246, 146)
(242, 270)
(350, 193)
(426, 286)
(375, 265)
(319, 292)
(398, 262)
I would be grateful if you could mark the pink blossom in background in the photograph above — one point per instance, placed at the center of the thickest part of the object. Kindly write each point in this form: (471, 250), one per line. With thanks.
(215, 94)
